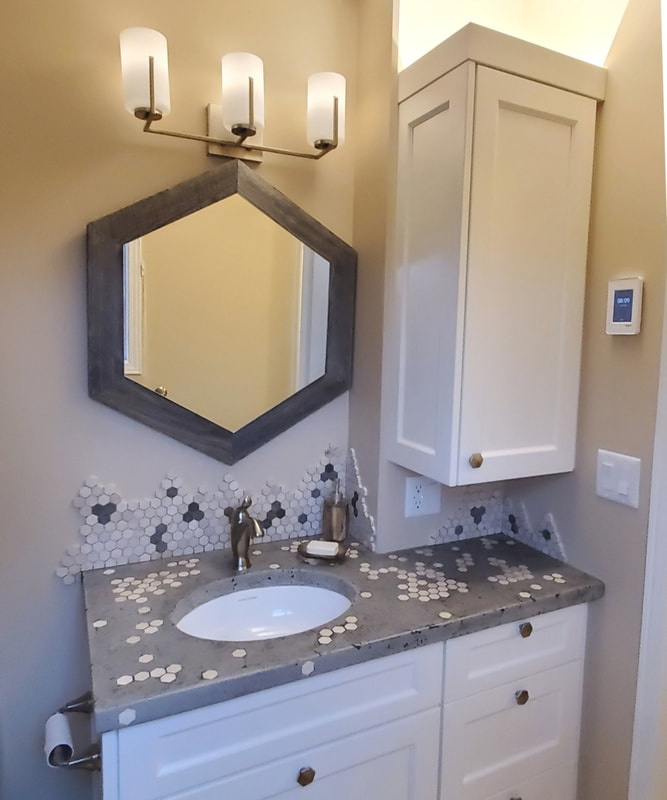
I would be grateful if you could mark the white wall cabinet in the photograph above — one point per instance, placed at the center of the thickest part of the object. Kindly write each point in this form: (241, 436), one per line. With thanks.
(389, 729)
(486, 289)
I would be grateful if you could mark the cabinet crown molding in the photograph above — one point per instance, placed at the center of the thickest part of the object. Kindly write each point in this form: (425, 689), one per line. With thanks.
(508, 54)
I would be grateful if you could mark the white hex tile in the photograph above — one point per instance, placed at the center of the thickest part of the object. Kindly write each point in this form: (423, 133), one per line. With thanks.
(209, 674)
(158, 672)
(124, 680)
(146, 658)
(127, 716)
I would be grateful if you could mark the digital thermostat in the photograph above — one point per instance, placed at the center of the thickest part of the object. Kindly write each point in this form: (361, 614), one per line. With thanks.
(624, 306)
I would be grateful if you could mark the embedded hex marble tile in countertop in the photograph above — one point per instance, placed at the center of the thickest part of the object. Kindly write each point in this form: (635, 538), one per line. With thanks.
(144, 667)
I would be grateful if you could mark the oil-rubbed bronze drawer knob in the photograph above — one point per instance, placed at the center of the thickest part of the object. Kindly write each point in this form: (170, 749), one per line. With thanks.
(522, 697)
(516, 798)
(306, 776)
(476, 460)
(525, 629)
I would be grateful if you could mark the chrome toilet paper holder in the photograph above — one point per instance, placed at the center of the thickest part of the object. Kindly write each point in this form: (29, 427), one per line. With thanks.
(61, 755)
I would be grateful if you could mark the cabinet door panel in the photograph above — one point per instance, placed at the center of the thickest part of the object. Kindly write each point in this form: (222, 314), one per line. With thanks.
(530, 195)
(483, 660)
(556, 784)
(426, 289)
(398, 761)
(491, 741)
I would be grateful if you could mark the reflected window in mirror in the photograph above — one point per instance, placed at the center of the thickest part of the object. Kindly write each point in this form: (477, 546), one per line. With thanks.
(226, 312)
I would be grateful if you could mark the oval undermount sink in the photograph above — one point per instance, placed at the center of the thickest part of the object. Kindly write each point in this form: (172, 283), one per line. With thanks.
(265, 612)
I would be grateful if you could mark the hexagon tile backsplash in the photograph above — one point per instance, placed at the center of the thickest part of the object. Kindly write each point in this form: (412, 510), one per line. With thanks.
(180, 521)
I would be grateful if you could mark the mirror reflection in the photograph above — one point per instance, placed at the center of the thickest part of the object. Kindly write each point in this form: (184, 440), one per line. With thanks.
(225, 312)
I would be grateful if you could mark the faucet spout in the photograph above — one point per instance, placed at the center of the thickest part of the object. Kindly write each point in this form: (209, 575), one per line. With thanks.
(243, 529)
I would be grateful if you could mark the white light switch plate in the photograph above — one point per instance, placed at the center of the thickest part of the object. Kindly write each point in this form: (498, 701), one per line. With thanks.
(618, 478)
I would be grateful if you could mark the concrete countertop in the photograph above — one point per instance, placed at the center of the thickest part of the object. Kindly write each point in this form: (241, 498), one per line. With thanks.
(144, 668)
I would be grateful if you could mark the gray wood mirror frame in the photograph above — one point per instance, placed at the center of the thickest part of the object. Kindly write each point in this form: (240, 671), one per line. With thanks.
(107, 377)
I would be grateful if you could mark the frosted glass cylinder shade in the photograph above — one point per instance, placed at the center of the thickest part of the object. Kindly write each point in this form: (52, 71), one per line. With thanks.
(322, 88)
(136, 46)
(237, 68)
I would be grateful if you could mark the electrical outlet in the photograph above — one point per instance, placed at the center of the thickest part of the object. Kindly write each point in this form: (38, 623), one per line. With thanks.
(422, 496)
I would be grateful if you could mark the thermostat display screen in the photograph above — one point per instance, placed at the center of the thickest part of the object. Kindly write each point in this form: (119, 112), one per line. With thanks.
(623, 305)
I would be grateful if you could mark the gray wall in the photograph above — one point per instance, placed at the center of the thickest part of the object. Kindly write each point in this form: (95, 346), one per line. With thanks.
(618, 394)
(71, 153)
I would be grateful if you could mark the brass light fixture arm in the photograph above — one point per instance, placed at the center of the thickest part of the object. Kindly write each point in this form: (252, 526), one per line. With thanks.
(151, 115)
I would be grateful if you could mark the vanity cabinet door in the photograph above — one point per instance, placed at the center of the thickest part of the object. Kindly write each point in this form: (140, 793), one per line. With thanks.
(486, 289)
(397, 761)
(556, 784)
(526, 265)
(504, 736)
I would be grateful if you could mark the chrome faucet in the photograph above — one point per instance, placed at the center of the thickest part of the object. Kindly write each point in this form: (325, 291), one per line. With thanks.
(244, 529)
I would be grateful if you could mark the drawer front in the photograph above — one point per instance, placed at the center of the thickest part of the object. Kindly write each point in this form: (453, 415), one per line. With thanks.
(493, 657)
(492, 741)
(185, 750)
(397, 761)
(556, 784)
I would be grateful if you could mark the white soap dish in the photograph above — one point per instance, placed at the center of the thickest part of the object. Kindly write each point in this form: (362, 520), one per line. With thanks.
(320, 550)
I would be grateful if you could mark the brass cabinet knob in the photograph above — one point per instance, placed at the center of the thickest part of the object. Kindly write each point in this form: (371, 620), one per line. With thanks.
(306, 776)
(522, 697)
(525, 629)
(476, 460)
(161, 391)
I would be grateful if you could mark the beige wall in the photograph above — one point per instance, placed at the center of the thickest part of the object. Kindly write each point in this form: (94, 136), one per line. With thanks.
(618, 394)
(373, 189)
(71, 153)
(221, 302)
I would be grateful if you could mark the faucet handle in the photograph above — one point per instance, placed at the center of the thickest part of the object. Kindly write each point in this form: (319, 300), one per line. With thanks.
(242, 509)
(259, 531)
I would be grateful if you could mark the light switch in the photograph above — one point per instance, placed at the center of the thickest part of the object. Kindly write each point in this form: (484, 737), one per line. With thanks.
(618, 477)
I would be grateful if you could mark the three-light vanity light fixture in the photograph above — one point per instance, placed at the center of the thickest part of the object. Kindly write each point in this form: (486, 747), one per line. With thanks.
(145, 70)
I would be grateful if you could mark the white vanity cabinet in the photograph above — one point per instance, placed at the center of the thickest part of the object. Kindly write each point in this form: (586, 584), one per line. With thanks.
(389, 729)
(485, 290)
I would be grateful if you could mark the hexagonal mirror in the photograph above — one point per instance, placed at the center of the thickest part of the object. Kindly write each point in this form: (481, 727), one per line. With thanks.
(220, 313)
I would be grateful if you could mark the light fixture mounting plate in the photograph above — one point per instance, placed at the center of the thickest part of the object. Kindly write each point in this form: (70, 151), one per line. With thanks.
(217, 130)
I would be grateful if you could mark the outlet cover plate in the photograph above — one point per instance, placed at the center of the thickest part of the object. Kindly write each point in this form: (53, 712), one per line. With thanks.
(422, 496)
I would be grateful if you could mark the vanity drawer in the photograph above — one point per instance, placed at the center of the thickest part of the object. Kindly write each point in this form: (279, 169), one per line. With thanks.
(175, 753)
(556, 784)
(489, 658)
(396, 761)
(493, 741)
